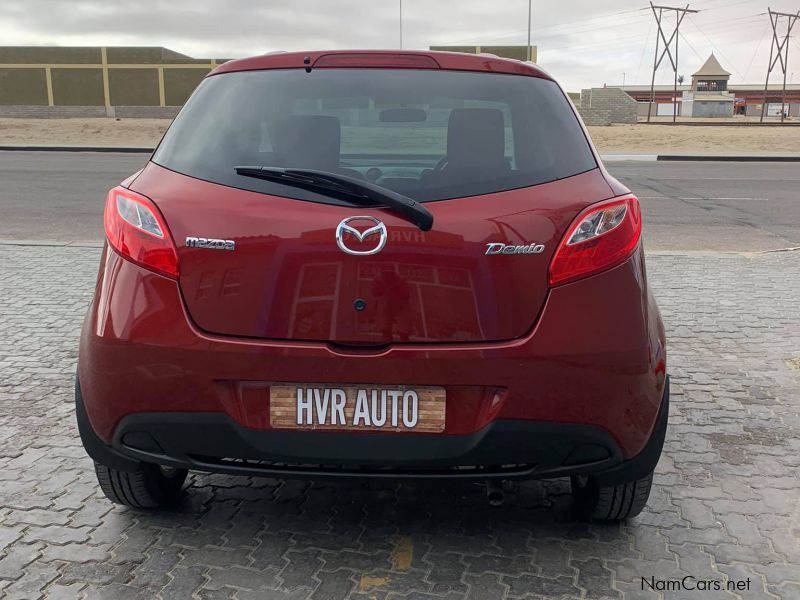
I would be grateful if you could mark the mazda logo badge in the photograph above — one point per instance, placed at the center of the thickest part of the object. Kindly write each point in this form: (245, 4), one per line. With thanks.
(378, 229)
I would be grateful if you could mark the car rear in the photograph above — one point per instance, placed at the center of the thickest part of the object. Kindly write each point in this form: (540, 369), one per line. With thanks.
(248, 319)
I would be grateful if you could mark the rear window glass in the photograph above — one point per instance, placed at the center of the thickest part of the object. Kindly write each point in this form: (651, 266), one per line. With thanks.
(428, 134)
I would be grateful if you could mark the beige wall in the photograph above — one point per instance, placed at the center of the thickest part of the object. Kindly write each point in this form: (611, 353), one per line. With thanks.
(180, 83)
(98, 77)
(133, 87)
(56, 54)
(23, 86)
(77, 87)
(515, 52)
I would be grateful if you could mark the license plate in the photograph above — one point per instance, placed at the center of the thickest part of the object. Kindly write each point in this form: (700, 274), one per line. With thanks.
(360, 407)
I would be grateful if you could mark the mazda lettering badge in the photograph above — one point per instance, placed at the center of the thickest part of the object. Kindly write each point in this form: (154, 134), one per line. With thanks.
(378, 229)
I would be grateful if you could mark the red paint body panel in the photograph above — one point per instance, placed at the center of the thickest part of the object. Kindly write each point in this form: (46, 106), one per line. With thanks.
(504, 345)
(287, 278)
(595, 357)
(454, 61)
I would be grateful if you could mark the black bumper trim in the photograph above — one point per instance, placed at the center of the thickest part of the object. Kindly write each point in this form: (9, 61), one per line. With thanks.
(212, 442)
(98, 450)
(504, 449)
(645, 462)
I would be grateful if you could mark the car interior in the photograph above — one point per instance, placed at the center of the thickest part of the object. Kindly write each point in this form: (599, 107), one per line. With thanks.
(472, 135)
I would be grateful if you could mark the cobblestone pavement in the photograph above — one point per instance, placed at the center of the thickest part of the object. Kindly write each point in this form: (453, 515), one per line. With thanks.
(725, 501)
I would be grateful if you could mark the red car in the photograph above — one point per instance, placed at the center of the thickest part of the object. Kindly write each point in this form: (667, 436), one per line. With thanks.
(375, 264)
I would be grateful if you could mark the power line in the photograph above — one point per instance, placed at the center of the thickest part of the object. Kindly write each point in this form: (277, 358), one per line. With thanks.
(598, 17)
(608, 44)
(556, 33)
(627, 40)
(733, 64)
(704, 9)
(567, 26)
(644, 49)
(702, 3)
(623, 23)
(619, 42)
(730, 24)
(595, 45)
(758, 47)
(688, 43)
(717, 23)
(593, 23)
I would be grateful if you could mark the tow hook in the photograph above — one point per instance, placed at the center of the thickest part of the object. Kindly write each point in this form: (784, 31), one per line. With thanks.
(494, 492)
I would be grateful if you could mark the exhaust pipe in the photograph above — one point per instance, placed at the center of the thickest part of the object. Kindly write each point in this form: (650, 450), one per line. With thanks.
(494, 492)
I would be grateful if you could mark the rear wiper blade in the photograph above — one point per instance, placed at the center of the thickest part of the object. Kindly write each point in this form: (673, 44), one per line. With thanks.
(358, 191)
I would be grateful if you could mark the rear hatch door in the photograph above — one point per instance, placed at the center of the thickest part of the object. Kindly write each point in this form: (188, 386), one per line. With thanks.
(288, 279)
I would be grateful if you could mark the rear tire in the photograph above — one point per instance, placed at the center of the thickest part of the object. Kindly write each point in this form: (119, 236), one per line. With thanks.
(610, 502)
(149, 487)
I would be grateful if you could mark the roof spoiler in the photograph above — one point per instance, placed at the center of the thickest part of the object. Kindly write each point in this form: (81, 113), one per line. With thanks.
(380, 60)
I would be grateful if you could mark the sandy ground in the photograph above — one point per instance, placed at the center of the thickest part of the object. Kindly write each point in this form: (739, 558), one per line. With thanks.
(83, 132)
(618, 138)
(660, 139)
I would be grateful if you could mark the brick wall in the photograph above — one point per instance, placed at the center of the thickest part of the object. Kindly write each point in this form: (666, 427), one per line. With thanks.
(604, 106)
(146, 112)
(29, 111)
(51, 112)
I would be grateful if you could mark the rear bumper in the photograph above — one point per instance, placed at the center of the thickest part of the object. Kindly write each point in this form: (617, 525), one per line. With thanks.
(504, 449)
(594, 362)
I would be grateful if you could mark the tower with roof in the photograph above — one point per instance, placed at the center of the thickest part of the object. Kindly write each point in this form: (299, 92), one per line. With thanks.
(709, 96)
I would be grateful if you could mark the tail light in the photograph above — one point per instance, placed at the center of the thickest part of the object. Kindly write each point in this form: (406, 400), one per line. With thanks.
(601, 237)
(137, 231)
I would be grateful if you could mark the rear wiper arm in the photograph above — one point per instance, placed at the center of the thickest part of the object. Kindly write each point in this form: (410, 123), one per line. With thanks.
(354, 189)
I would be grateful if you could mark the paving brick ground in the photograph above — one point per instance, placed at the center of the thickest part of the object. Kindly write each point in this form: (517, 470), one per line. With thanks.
(725, 502)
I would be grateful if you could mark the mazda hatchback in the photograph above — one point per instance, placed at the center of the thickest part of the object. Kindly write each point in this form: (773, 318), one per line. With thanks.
(375, 265)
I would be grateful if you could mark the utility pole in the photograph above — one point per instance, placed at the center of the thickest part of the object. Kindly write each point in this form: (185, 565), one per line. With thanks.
(623, 79)
(779, 52)
(401, 24)
(658, 13)
(528, 47)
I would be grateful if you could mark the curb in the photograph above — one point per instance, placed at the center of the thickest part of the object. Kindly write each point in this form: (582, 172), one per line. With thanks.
(729, 158)
(724, 123)
(125, 149)
(699, 158)
(605, 157)
(629, 157)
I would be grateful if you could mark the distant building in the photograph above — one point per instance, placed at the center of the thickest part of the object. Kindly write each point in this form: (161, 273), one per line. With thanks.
(712, 95)
(709, 96)
(65, 81)
(515, 52)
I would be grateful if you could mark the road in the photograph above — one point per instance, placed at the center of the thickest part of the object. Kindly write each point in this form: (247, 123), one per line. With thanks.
(58, 195)
(723, 206)
(730, 207)
(724, 504)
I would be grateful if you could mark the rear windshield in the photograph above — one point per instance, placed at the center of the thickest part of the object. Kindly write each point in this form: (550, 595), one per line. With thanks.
(428, 134)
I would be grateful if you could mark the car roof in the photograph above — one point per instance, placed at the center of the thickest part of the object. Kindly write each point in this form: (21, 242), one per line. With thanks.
(383, 59)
